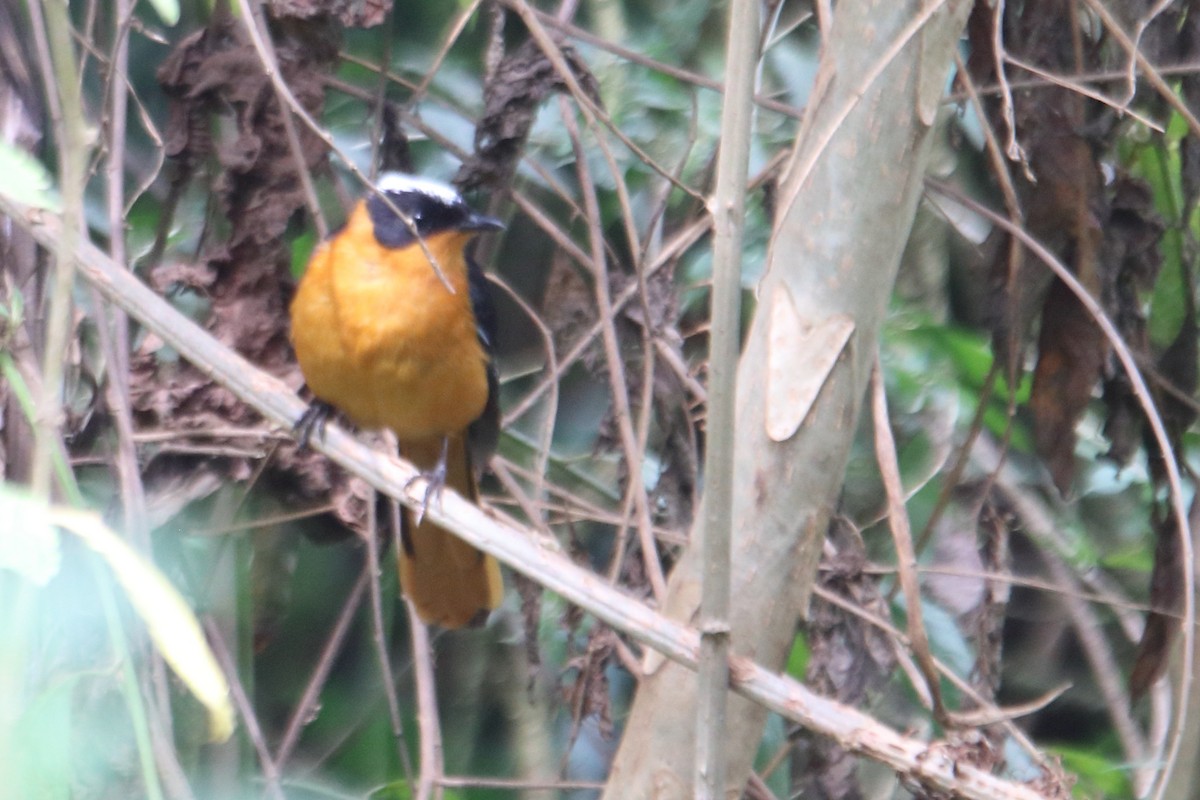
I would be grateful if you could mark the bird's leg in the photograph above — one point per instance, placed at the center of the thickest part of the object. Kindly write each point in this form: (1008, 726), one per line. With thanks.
(312, 421)
(435, 481)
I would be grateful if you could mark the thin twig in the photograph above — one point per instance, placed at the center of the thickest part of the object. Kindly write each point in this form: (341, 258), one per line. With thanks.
(1078, 87)
(380, 640)
(987, 705)
(582, 508)
(513, 784)
(680, 243)
(680, 74)
(1115, 29)
(255, 27)
(112, 328)
(310, 700)
(1100, 657)
(61, 78)
(114, 331)
(457, 26)
(534, 512)
(430, 771)
(906, 557)
(245, 708)
(616, 366)
(683, 240)
(646, 404)
(592, 113)
(1013, 148)
(550, 409)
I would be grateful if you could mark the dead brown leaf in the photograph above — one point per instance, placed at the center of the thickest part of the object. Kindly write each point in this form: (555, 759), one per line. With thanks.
(519, 84)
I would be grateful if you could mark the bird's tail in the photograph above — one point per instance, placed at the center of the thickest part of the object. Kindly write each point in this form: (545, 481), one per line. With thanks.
(450, 582)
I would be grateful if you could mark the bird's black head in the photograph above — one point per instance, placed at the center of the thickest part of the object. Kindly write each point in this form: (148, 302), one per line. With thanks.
(430, 206)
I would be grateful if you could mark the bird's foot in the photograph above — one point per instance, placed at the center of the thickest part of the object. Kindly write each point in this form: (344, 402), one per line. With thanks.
(312, 422)
(435, 482)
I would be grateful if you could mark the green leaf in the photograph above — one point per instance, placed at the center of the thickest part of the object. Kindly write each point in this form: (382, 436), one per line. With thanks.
(169, 620)
(28, 540)
(26, 180)
(167, 10)
(797, 663)
(302, 249)
(1097, 772)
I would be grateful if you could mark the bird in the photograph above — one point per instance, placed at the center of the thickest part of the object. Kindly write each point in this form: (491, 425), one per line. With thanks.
(393, 326)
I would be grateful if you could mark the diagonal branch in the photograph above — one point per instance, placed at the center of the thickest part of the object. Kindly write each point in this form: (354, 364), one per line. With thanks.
(921, 763)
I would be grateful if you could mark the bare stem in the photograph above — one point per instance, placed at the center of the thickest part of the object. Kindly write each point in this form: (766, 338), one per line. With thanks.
(728, 212)
(70, 128)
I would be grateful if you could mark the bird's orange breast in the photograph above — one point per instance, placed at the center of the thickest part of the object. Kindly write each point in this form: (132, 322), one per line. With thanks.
(378, 334)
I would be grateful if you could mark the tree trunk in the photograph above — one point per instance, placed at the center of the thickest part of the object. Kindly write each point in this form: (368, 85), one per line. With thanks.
(845, 207)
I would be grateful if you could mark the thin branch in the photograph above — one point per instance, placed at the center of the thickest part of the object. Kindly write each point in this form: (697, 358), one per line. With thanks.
(430, 770)
(114, 332)
(728, 209)
(1078, 87)
(457, 26)
(61, 77)
(550, 408)
(679, 244)
(380, 640)
(1113, 26)
(1100, 657)
(616, 368)
(513, 784)
(310, 700)
(1013, 148)
(906, 556)
(245, 708)
(679, 74)
(592, 113)
(255, 27)
(1095, 76)
(112, 329)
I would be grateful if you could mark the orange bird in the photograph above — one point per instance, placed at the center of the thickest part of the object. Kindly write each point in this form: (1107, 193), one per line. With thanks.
(380, 336)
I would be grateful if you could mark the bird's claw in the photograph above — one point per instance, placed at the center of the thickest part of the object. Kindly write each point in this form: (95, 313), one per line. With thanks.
(312, 422)
(435, 482)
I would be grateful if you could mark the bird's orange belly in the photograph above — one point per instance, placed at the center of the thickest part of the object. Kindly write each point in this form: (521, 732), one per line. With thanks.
(418, 394)
(379, 336)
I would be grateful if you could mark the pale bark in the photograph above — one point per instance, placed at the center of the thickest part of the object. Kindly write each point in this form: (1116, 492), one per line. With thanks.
(846, 206)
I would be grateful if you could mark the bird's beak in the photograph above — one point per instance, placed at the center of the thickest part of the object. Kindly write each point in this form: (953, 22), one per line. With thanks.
(481, 222)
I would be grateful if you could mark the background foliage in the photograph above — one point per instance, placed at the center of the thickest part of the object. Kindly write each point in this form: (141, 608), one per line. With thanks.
(1037, 505)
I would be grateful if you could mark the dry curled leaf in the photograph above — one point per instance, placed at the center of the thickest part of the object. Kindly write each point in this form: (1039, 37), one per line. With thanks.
(351, 13)
(519, 84)
(243, 283)
(1166, 599)
(1071, 354)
